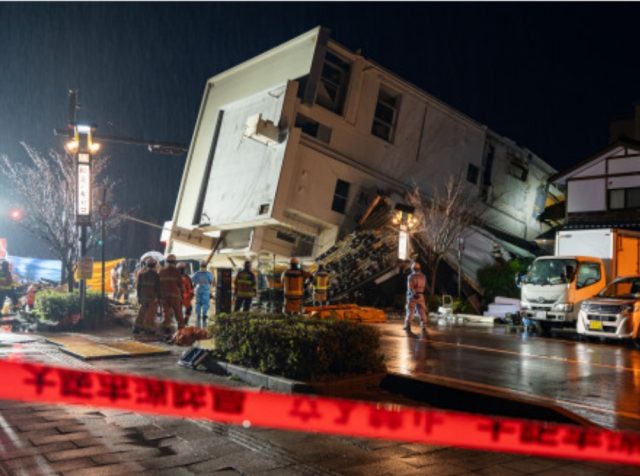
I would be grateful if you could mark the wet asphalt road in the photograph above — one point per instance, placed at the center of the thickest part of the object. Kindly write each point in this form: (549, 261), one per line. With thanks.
(596, 381)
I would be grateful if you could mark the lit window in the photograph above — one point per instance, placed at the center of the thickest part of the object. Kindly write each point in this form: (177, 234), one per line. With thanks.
(340, 196)
(332, 88)
(386, 115)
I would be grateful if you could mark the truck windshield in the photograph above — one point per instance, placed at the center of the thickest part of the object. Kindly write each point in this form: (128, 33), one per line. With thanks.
(624, 288)
(551, 271)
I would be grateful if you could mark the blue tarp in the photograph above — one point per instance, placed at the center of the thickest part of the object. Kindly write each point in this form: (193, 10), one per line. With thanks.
(33, 269)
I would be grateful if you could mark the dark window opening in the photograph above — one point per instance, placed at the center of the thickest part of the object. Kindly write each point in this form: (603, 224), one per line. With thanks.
(334, 80)
(285, 237)
(386, 115)
(313, 128)
(518, 169)
(624, 198)
(264, 209)
(488, 166)
(340, 196)
(472, 174)
(302, 86)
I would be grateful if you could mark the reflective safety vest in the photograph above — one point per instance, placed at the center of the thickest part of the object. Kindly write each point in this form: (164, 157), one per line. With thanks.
(245, 284)
(416, 283)
(293, 280)
(321, 282)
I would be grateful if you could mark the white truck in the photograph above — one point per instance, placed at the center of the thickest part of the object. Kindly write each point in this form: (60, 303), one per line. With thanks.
(585, 262)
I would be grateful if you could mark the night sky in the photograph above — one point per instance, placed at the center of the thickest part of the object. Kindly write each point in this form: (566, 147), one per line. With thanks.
(548, 75)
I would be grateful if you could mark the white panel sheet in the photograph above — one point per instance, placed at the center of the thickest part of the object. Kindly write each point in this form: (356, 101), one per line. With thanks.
(245, 172)
(585, 243)
(586, 195)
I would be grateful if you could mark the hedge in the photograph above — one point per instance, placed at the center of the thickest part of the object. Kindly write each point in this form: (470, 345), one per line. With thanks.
(64, 309)
(500, 279)
(297, 347)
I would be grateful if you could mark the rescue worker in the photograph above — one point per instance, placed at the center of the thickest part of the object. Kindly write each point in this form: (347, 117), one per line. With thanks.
(245, 286)
(187, 292)
(293, 282)
(124, 282)
(320, 286)
(416, 283)
(202, 280)
(114, 281)
(148, 289)
(6, 285)
(171, 294)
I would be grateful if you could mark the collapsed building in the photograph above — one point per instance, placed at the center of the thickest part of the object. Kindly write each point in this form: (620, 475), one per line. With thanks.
(292, 147)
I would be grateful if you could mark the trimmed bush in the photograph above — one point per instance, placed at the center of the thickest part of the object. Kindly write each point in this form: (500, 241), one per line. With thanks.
(297, 347)
(500, 279)
(64, 309)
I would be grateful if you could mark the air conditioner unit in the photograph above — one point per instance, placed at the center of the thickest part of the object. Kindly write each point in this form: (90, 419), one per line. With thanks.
(262, 130)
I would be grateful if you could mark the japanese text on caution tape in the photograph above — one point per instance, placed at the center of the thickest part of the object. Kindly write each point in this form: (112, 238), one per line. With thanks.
(40, 383)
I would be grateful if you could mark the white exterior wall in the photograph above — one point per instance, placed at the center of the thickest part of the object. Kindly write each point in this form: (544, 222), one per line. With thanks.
(290, 60)
(245, 172)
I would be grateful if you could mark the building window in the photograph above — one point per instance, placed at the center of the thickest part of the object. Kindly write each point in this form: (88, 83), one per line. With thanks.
(332, 89)
(622, 198)
(386, 115)
(313, 128)
(340, 196)
(264, 209)
(472, 174)
(518, 168)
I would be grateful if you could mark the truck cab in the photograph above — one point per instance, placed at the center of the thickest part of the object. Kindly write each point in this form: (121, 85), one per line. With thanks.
(555, 286)
(613, 313)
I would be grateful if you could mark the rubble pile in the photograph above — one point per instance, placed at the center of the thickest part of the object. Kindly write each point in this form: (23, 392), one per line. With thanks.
(358, 258)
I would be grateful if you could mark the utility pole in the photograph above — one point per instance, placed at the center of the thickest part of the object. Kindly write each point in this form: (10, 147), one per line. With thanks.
(460, 250)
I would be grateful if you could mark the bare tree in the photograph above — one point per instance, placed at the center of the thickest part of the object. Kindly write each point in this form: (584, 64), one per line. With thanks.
(442, 219)
(46, 187)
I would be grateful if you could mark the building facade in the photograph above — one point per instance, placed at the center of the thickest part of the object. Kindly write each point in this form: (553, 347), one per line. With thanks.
(604, 190)
(291, 146)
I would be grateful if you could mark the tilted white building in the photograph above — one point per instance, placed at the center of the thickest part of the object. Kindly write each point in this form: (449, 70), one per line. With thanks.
(290, 147)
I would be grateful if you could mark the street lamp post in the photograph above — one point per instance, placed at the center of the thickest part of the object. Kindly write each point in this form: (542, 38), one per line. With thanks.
(404, 219)
(82, 147)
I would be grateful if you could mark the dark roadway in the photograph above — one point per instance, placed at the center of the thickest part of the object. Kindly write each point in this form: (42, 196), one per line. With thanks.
(596, 381)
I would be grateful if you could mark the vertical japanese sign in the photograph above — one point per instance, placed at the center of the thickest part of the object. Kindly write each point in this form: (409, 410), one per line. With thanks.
(3, 248)
(84, 188)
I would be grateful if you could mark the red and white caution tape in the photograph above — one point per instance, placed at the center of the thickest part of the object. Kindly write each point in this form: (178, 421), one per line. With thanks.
(41, 383)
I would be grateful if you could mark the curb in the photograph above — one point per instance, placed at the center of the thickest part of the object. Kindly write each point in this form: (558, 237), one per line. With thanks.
(336, 387)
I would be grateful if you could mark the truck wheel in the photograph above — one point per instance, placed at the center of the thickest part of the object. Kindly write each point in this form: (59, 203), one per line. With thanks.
(543, 328)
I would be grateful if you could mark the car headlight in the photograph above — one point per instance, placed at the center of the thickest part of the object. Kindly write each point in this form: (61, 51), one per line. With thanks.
(628, 309)
(525, 305)
(564, 307)
(586, 306)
